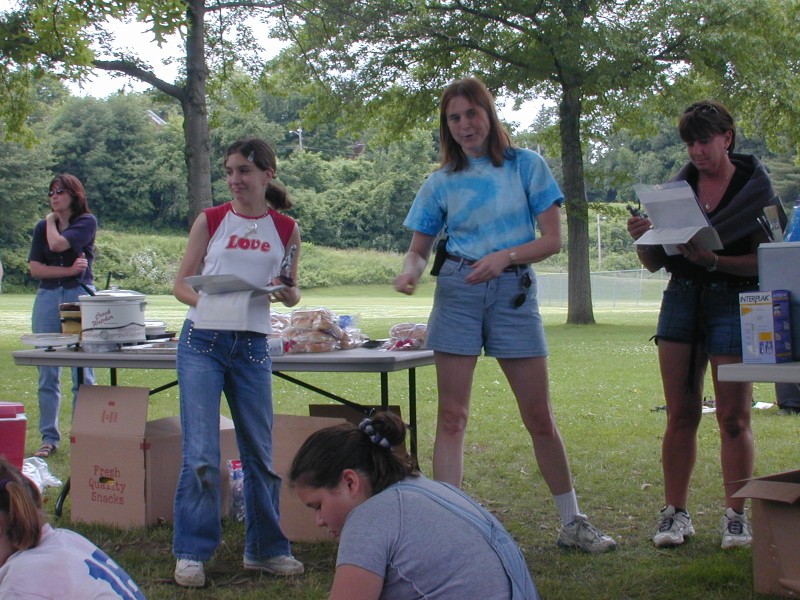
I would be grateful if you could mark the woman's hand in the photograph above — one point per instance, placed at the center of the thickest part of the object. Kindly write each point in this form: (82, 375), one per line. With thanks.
(80, 265)
(288, 296)
(698, 255)
(638, 226)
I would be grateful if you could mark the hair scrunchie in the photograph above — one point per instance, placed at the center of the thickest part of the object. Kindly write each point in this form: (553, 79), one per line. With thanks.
(4, 483)
(374, 436)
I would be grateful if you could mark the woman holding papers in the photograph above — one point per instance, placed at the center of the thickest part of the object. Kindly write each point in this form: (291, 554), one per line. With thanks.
(699, 320)
(249, 238)
(491, 197)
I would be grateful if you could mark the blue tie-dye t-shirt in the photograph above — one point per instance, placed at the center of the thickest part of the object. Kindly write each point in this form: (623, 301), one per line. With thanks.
(486, 208)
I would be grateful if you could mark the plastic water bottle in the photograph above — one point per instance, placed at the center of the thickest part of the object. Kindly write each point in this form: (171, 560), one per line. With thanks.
(793, 230)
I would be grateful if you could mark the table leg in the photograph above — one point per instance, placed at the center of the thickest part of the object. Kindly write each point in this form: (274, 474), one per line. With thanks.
(412, 408)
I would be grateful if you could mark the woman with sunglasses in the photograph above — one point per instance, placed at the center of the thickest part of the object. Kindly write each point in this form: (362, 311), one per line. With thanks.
(699, 323)
(61, 257)
(489, 197)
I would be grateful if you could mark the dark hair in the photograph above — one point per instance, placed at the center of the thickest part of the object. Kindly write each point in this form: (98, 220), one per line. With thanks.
(261, 155)
(73, 186)
(326, 453)
(451, 154)
(20, 503)
(705, 119)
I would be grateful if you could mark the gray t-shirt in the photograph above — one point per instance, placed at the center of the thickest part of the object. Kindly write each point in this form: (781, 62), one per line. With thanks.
(421, 549)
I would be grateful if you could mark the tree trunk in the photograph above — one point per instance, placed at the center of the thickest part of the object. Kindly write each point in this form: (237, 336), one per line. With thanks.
(195, 113)
(579, 310)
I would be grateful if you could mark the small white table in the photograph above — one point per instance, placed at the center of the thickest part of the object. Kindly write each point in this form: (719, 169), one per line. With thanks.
(788, 372)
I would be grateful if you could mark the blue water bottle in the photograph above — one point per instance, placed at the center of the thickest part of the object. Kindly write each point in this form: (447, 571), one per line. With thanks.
(793, 230)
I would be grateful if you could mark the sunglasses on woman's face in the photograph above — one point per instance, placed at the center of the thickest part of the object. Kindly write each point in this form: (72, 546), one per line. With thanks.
(54, 192)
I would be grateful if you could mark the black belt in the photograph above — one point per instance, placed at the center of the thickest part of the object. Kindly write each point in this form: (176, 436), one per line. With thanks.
(468, 262)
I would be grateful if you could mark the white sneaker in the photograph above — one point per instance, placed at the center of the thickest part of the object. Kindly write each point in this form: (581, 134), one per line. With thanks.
(736, 530)
(582, 535)
(277, 565)
(189, 573)
(673, 527)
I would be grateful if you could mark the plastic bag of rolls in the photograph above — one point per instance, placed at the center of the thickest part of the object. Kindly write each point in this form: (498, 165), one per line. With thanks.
(406, 336)
(319, 330)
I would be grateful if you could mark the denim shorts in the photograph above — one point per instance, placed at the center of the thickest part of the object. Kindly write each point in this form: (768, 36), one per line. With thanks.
(702, 312)
(468, 317)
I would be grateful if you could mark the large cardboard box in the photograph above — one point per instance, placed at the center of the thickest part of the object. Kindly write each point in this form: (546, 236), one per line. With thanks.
(298, 522)
(766, 327)
(776, 523)
(124, 468)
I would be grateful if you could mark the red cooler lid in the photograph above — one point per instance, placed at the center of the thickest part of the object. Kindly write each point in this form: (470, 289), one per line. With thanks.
(9, 410)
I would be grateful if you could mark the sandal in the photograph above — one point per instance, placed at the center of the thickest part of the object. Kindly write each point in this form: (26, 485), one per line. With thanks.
(45, 450)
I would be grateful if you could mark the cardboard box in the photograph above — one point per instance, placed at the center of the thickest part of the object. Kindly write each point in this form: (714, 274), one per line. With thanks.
(766, 327)
(13, 424)
(779, 269)
(125, 469)
(776, 543)
(298, 522)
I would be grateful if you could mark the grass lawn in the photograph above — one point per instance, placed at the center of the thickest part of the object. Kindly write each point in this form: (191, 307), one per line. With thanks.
(608, 403)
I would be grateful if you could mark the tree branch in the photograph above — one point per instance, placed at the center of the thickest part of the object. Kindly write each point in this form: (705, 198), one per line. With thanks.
(137, 72)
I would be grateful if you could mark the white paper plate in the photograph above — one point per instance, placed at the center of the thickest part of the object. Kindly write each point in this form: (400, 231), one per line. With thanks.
(47, 340)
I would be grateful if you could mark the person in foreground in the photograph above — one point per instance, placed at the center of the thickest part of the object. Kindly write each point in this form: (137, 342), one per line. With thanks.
(38, 561)
(699, 324)
(61, 257)
(247, 237)
(489, 197)
(402, 536)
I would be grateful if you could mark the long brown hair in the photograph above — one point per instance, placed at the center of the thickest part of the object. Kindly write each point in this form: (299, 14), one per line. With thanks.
(451, 154)
(20, 504)
(375, 449)
(73, 186)
(261, 155)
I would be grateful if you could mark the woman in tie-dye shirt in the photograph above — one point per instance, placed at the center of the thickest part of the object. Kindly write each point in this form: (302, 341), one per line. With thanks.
(488, 198)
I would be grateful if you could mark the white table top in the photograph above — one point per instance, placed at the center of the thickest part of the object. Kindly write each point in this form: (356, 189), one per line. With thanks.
(788, 372)
(357, 360)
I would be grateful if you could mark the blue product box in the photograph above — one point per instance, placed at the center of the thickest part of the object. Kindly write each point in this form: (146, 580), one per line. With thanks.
(766, 327)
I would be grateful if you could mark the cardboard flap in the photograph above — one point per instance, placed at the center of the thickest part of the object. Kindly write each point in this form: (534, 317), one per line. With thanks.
(770, 489)
(110, 410)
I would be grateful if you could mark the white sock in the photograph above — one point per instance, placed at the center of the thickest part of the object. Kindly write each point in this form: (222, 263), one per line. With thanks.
(567, 505)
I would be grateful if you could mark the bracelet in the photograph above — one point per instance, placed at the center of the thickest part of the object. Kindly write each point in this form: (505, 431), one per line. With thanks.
(512, 256)
(713, 267)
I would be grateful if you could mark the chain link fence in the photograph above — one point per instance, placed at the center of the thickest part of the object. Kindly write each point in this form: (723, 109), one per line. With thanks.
(610, 289)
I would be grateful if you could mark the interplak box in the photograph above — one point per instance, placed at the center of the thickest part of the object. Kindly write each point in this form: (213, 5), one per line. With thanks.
(776, 543)
(124, 468)
(766, 326)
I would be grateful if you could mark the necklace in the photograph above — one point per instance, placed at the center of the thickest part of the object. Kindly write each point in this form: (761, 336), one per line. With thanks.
(717, 194)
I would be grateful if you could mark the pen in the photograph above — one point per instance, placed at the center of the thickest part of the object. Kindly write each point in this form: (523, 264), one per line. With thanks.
(762, 221)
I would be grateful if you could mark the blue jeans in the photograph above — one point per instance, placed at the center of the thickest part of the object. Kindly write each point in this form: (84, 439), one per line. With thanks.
(47, 319)
(211, 362)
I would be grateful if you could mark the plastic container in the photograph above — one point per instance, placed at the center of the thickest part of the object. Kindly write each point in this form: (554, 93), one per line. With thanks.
(793, 229)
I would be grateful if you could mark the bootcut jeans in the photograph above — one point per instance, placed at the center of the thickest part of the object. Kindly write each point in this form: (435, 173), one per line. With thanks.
(46, 318)
(210, 362)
